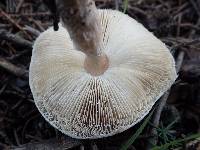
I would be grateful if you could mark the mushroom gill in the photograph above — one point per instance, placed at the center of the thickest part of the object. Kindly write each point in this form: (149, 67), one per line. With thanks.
(83, 105)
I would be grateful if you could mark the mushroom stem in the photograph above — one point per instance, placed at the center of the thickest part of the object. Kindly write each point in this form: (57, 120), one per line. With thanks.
(81, 19)
(96, 65)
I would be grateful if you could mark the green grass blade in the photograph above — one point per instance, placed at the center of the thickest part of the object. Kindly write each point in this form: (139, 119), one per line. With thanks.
(176, 142)
(137, 133)
(125, 6)
(171, 124)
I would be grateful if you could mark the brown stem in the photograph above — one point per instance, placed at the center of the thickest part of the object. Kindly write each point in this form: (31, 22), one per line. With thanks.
(81, 19)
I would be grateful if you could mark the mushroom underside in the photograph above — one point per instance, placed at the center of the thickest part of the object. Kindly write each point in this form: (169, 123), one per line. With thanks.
(81, 105)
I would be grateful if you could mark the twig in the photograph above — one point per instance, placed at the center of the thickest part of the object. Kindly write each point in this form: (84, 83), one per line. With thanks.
(181, 42)
(4, 25)
(14, 23)
(179, 61)
(117, 4)
(156, 118)
(19, 6)
(20, 72)
(195, 6)
(15, 39)
(10, 6)
(52, 144)
(94, 146)
(38, 24)
(189, 25)
(192, 32)
(16, 137)
(34, 31)
(178, 25)
(188, 43)
(42, 14)
(138, 10)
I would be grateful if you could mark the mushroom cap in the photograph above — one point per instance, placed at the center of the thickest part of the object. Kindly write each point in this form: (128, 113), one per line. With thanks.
(82, 106)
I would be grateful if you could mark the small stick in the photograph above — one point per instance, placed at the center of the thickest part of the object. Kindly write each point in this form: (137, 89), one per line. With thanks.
(15, 39)
(156, 119)
(34, 31)
(20, 72)
(117, 4)
(10, 6)
(179, 61)
(28, 14)
(14, 23)
(52, 144)
(195, 6)
(178, 25)
(16, 137)
(138, 10)
(38, 24)
(94, 146)
(19, 6)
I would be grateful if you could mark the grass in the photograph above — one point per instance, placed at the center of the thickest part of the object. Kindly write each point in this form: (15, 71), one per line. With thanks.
(125, 5)
(165, 133)
(137, 133)
(176, 143)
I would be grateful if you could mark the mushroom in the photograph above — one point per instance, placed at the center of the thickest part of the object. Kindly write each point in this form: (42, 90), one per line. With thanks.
(100, 73)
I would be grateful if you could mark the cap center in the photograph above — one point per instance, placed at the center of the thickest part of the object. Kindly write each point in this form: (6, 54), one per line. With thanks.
(96, 65)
